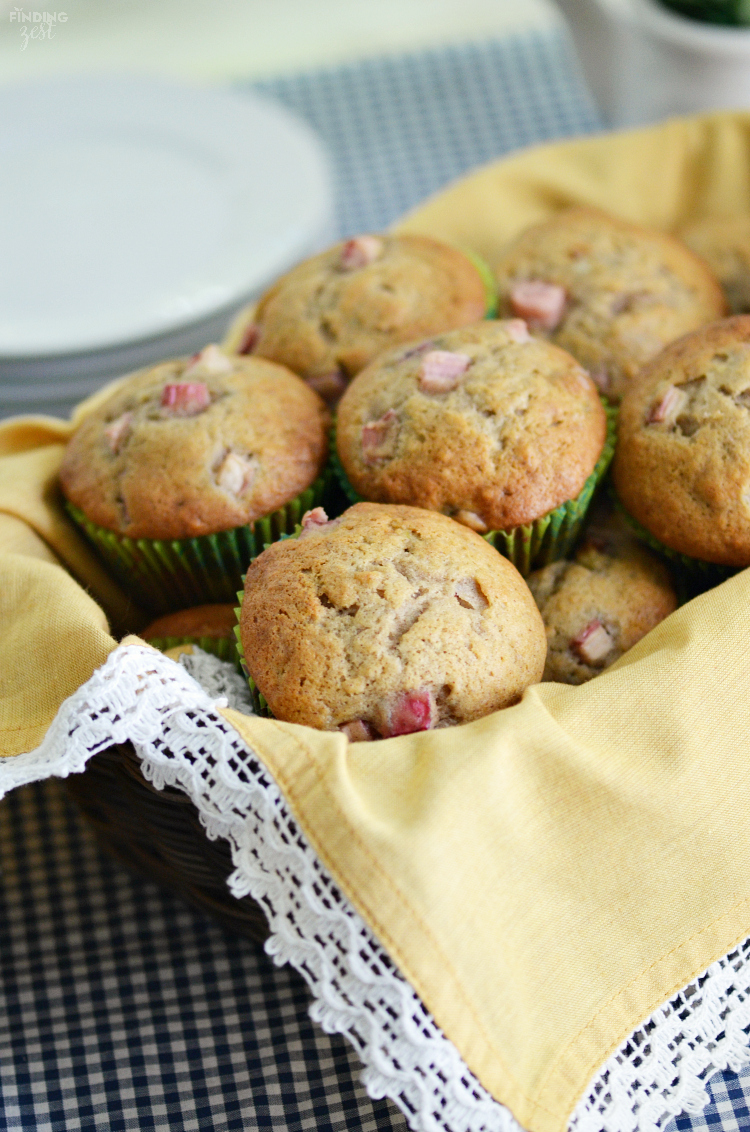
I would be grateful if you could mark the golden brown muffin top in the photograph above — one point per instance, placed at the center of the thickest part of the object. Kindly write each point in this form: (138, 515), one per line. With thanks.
(196, 446)
(329, 316)
(504, 440)
(217, 621)
(624, 292)
(725, 246)
(682, 462)
(598, 606)
(386, 620)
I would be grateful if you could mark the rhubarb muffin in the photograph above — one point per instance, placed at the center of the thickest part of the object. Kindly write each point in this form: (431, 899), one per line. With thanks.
(329, 316)
(189, 467)
(682, 465)
(385, 621)
(486, 424)
(610, 292)
(210, 627)
(599, 605)
(725, 246)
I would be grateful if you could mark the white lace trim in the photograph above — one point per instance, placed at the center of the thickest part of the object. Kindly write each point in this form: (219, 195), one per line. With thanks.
(173, 723)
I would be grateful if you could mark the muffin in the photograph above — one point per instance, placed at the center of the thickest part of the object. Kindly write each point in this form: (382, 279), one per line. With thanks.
(183, 473)
(611, 293)
(725, 246)
(329, 316)
(210, 627)
(599, 605)
(682, 465)
(486, 424)
(385, 621)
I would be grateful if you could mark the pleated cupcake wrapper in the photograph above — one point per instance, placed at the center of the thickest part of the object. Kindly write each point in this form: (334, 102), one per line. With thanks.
(546, 539)
(163, 575)
(691, 576)
(490, 287)
(223, 647)
(554, 535)
(260, 704)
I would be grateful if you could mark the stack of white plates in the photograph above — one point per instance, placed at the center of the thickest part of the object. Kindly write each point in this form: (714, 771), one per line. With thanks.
(136, 216)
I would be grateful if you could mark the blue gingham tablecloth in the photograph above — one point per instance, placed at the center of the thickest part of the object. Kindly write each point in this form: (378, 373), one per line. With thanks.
(120, 1007)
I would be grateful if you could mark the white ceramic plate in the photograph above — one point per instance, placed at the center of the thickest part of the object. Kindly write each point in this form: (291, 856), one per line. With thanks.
(131, 208)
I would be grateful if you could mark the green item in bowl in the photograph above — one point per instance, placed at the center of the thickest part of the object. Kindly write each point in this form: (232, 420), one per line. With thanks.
(730, 13)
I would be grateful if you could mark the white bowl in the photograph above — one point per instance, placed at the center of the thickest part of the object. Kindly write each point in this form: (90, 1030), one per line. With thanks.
(645, 63)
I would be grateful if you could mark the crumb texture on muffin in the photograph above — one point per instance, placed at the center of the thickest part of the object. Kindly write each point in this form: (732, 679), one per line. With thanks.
(610, 292)
(215, 620)
(599, 605)
(682, 462)
(725, 246)
(486, 424)
(329, 316)
(195, 447)
(386, 620)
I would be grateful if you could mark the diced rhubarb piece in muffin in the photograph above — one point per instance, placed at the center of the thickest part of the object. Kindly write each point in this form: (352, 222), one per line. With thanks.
(442, 370)
(185, 398)
(540, 305)
(360, 252)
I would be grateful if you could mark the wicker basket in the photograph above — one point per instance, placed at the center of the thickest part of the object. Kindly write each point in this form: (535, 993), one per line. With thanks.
(157, 834)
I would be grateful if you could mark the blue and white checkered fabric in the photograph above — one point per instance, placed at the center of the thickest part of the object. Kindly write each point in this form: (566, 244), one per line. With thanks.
(120, 1008)
(729, 1110)
(399, 129)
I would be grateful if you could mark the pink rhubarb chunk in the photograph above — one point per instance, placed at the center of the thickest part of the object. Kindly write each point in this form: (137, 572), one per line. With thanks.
(593, 643)
(315, 521)
(116, 432)
(441, 370)
(185, 398)
(249, 338)
(541, 305)
(360, 252)
(517, 330)
(672, 403)
(412, 711)
(376, 434)
(208, 362)
(236, 473)
(472, 520)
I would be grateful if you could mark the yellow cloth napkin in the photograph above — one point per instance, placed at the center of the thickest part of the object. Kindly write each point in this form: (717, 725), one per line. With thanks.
(549, 875)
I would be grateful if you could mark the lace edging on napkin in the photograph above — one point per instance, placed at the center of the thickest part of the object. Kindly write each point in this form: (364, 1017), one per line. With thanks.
(173, 723)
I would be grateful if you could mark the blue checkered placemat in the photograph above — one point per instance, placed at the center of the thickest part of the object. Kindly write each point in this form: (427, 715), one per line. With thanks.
(120, 1007)
(401, 128)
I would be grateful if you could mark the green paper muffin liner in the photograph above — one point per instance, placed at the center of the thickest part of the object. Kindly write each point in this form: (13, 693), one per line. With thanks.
(490, 287)
(691, 576)
(260, 704)
(546, 539)
(223, 647)
(163, 575)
